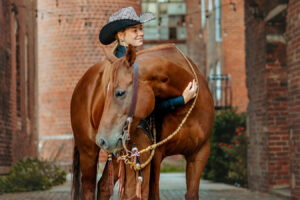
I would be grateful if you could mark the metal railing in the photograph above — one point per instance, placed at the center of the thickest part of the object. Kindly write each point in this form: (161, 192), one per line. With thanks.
(221, 90)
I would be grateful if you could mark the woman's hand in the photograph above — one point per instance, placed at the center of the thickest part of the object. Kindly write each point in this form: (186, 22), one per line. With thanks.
(190, 91)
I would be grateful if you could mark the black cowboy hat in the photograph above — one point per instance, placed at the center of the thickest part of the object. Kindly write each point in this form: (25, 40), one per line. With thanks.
(122, 19)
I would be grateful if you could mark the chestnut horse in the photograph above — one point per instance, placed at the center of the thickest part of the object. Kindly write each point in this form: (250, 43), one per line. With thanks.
(163, 73)
(86, 110)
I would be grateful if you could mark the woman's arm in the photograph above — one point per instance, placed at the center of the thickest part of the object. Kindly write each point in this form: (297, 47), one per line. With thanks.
(172, 103)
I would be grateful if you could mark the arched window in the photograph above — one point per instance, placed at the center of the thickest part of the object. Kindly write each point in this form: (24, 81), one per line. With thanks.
(18, 70)
(27, 76)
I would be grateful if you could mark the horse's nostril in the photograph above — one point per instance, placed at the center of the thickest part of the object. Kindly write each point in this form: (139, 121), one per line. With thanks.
(103, 142)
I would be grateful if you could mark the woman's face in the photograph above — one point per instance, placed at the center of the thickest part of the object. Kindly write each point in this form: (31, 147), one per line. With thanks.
(133, 35)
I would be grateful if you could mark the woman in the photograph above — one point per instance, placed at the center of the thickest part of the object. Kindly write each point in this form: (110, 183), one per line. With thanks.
(126, 27)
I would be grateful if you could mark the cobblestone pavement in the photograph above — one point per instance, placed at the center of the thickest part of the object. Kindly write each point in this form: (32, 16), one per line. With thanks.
(172, 187)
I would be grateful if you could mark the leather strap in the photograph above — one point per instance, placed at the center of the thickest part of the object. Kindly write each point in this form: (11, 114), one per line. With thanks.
(135, 84)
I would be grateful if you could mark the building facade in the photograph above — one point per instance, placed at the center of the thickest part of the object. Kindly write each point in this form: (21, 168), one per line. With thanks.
(18, 82)
(273, 82)
(216, 42)
(169, 26)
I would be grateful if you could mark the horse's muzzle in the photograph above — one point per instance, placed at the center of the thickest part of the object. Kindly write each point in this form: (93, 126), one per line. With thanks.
(109, 145)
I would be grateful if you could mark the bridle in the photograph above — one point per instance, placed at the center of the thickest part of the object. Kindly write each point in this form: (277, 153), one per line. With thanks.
(127, 126)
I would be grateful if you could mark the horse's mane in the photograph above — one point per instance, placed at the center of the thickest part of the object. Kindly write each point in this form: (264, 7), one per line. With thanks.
(163, 49)
(107, 70)
(158, 47)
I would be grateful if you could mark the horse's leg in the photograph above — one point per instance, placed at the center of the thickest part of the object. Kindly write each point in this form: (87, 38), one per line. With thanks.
(194, 168)
(88, 166)
(103, 190)
(155, 172)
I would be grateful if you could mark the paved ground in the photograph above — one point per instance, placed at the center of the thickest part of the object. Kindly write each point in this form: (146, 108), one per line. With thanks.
(172, 187)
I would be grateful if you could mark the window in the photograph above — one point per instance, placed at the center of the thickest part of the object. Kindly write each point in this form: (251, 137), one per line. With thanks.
(203, 13)
(218, 82)
(218, 20)
(170, 20)
(210, 5)
(27, 76)
(18, 69)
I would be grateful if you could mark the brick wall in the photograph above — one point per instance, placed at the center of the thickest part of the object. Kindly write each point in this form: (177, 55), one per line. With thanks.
(196, 47)
(256, 111)
(233, 36)
(270, 67)
(293, 62)
(18, 136)
(6, 101)
(276, 105)
(68, 45)
(229, 53)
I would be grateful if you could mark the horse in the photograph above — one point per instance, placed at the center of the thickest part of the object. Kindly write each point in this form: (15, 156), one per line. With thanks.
(86, 110)
(163, 72)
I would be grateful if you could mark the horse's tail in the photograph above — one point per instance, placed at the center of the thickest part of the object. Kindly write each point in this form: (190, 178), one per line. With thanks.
(76, 193)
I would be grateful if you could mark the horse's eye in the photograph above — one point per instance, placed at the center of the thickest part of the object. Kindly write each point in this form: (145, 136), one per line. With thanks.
(120, 93)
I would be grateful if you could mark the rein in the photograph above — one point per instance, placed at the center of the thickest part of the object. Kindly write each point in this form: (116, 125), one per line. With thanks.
(135, 86)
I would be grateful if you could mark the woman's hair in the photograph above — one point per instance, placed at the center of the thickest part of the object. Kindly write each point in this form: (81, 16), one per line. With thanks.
(116, 35)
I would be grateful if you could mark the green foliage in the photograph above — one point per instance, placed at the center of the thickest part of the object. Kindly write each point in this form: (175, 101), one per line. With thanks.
(237, 153)
(228, 158)
(31, 174)
(168, 168)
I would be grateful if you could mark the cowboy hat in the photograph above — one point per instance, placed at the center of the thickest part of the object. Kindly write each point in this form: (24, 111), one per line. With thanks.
(119, 20)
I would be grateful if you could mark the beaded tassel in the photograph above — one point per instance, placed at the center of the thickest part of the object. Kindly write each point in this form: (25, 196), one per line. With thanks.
(110, 175)
(139, 178)
(139, 182)
(121, 178)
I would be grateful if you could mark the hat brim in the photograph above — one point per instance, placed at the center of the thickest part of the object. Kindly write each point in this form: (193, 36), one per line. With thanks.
(108, 32)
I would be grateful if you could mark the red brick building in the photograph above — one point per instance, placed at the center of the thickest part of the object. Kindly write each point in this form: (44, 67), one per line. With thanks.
(216, 42)
(68, 45)
(273, 71)
(18, 82)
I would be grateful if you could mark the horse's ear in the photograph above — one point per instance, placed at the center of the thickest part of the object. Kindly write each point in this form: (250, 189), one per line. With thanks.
(130, 55)
(108, 53)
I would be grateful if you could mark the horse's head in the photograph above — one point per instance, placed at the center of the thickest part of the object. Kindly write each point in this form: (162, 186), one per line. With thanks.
(118, 102)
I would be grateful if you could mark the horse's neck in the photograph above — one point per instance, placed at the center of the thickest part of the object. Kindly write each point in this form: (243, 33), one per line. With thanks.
(99, 91)
(168, 75)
